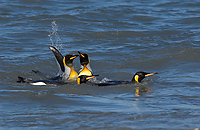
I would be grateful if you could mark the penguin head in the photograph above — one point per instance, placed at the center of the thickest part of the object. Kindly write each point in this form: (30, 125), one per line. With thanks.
(84, 59)
(139, 76)
(84, 78)
(68, 60)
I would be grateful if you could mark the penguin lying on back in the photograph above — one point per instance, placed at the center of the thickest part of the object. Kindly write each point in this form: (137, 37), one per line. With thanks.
(85, 65)
(137, 78)
(66, 65)
(81, 79)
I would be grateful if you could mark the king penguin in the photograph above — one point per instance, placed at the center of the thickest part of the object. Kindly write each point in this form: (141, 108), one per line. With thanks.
(85, 65)
(137, 78)
(84, 78)
(68, 74)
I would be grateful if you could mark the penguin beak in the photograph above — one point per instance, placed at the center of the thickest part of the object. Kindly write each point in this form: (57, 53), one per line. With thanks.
(81, 54)
(149, 74)
(90, 77)
(73, 57)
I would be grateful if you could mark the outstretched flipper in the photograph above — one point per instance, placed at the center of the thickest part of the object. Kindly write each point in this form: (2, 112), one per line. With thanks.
(66, 65)
(59, 57)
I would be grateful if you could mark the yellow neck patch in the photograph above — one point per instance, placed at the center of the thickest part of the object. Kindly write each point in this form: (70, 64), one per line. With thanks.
(79, 81)
(64, 61)
(73, 75)
(136, 78)
(85, 71)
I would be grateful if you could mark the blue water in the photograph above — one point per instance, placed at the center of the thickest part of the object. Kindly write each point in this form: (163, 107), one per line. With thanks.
(121, 37)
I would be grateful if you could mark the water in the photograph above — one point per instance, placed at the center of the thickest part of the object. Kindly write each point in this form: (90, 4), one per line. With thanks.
(121, 37)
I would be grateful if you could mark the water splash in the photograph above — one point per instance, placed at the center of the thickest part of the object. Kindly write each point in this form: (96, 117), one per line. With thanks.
(54, 37)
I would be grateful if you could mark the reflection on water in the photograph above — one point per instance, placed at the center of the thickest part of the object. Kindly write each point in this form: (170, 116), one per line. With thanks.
(139, 91)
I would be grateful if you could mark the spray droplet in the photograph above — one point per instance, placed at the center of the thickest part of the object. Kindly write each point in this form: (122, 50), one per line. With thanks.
(54, 37)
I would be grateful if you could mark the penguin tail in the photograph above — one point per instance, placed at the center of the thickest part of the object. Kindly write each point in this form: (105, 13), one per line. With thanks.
(22, 80)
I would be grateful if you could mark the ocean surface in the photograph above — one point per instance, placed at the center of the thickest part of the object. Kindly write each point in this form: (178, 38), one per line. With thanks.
(121, 37)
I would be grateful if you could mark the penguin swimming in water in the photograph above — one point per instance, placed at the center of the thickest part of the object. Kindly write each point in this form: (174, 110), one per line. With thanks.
(84, 78)
(66, 66)
(81, 79)
(39, 82)
(85, 65)
(137, 78)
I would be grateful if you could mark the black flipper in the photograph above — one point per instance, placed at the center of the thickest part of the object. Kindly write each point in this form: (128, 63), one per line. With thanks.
(59, 57)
